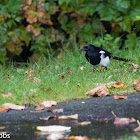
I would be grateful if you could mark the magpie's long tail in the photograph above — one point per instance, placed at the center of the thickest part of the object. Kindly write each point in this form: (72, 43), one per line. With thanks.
(121, 59)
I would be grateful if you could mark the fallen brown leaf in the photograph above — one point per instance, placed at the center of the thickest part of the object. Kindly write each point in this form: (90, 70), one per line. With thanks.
(49, 103)
(55, 136)
(123, 121)
(100, 91)
(4, 109)
(136, 85)
(102, 119)
(78, 138)
(82, 67)
(55, 110)
(13, 106)
(116, 85)
(49, 117)
(134, 64)
(6, 94)
(119, 97)
(28, 72)
(2, 127)
(137, 129)
(62, 77)
(39, 107)
(34, 79)
(33, 90)
(54, 128)
(42, 67)
(75, 116)
(36, 111)
(84, 123)
(10, 77)
(78, 86)
(68, 69)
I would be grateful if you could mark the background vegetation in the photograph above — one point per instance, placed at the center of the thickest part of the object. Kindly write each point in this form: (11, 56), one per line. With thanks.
(30, 28)
(33, 30)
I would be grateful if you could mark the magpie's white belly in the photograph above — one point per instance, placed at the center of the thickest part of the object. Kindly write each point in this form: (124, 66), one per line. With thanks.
(104, 60)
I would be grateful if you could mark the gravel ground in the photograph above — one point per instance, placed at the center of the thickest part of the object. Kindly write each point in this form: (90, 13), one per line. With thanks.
(87, 109)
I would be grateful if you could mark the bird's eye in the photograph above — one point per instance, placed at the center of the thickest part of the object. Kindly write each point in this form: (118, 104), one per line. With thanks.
(86, 47)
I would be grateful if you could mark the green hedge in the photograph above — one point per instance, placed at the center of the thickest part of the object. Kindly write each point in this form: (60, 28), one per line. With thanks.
(40, 25)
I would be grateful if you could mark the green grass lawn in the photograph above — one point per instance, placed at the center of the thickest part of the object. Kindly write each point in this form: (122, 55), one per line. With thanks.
(62, 79)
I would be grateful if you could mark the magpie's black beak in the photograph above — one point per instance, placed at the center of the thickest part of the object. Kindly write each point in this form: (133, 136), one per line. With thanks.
(82, 49)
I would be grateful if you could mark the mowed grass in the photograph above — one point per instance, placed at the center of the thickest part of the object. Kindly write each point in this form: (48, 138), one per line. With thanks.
(62, 79)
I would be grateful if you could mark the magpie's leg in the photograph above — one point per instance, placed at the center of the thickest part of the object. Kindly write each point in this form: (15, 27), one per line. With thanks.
(94, 67)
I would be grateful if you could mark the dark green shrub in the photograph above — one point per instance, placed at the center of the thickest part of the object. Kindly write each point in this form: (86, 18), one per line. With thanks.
(41, 26)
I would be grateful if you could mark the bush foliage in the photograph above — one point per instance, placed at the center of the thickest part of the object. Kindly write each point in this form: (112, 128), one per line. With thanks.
(33, 27)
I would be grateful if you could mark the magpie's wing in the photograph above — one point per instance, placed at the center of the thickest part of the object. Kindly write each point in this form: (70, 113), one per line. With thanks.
(93, 56)
(106, 53)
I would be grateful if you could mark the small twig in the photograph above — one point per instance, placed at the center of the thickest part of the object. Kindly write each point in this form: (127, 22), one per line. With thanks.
(113, 114)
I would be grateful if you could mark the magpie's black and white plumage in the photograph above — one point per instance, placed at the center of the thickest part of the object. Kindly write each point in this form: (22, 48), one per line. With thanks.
(99, 56)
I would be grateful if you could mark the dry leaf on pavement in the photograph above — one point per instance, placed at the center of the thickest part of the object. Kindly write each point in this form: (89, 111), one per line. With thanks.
(4, 109)
(119, 97)
(78, 138)
(100, 91)
(101, 119)
(75, 116)
(54, 128)
(123, 121)
(2, 127)
(84, 123)
(136, 85)
(36, 111)
(55, 110)
(13, 106)
(56, 136)
(49, 103)
(49, 117)
(39, 107)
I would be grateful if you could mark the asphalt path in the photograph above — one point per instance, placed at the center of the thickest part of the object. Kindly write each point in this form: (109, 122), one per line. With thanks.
(88, 109)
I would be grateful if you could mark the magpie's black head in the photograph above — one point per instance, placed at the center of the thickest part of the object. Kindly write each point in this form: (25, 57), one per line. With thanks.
(87, 47)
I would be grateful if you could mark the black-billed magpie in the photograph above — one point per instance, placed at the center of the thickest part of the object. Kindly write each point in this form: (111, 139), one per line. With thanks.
(98, 56)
